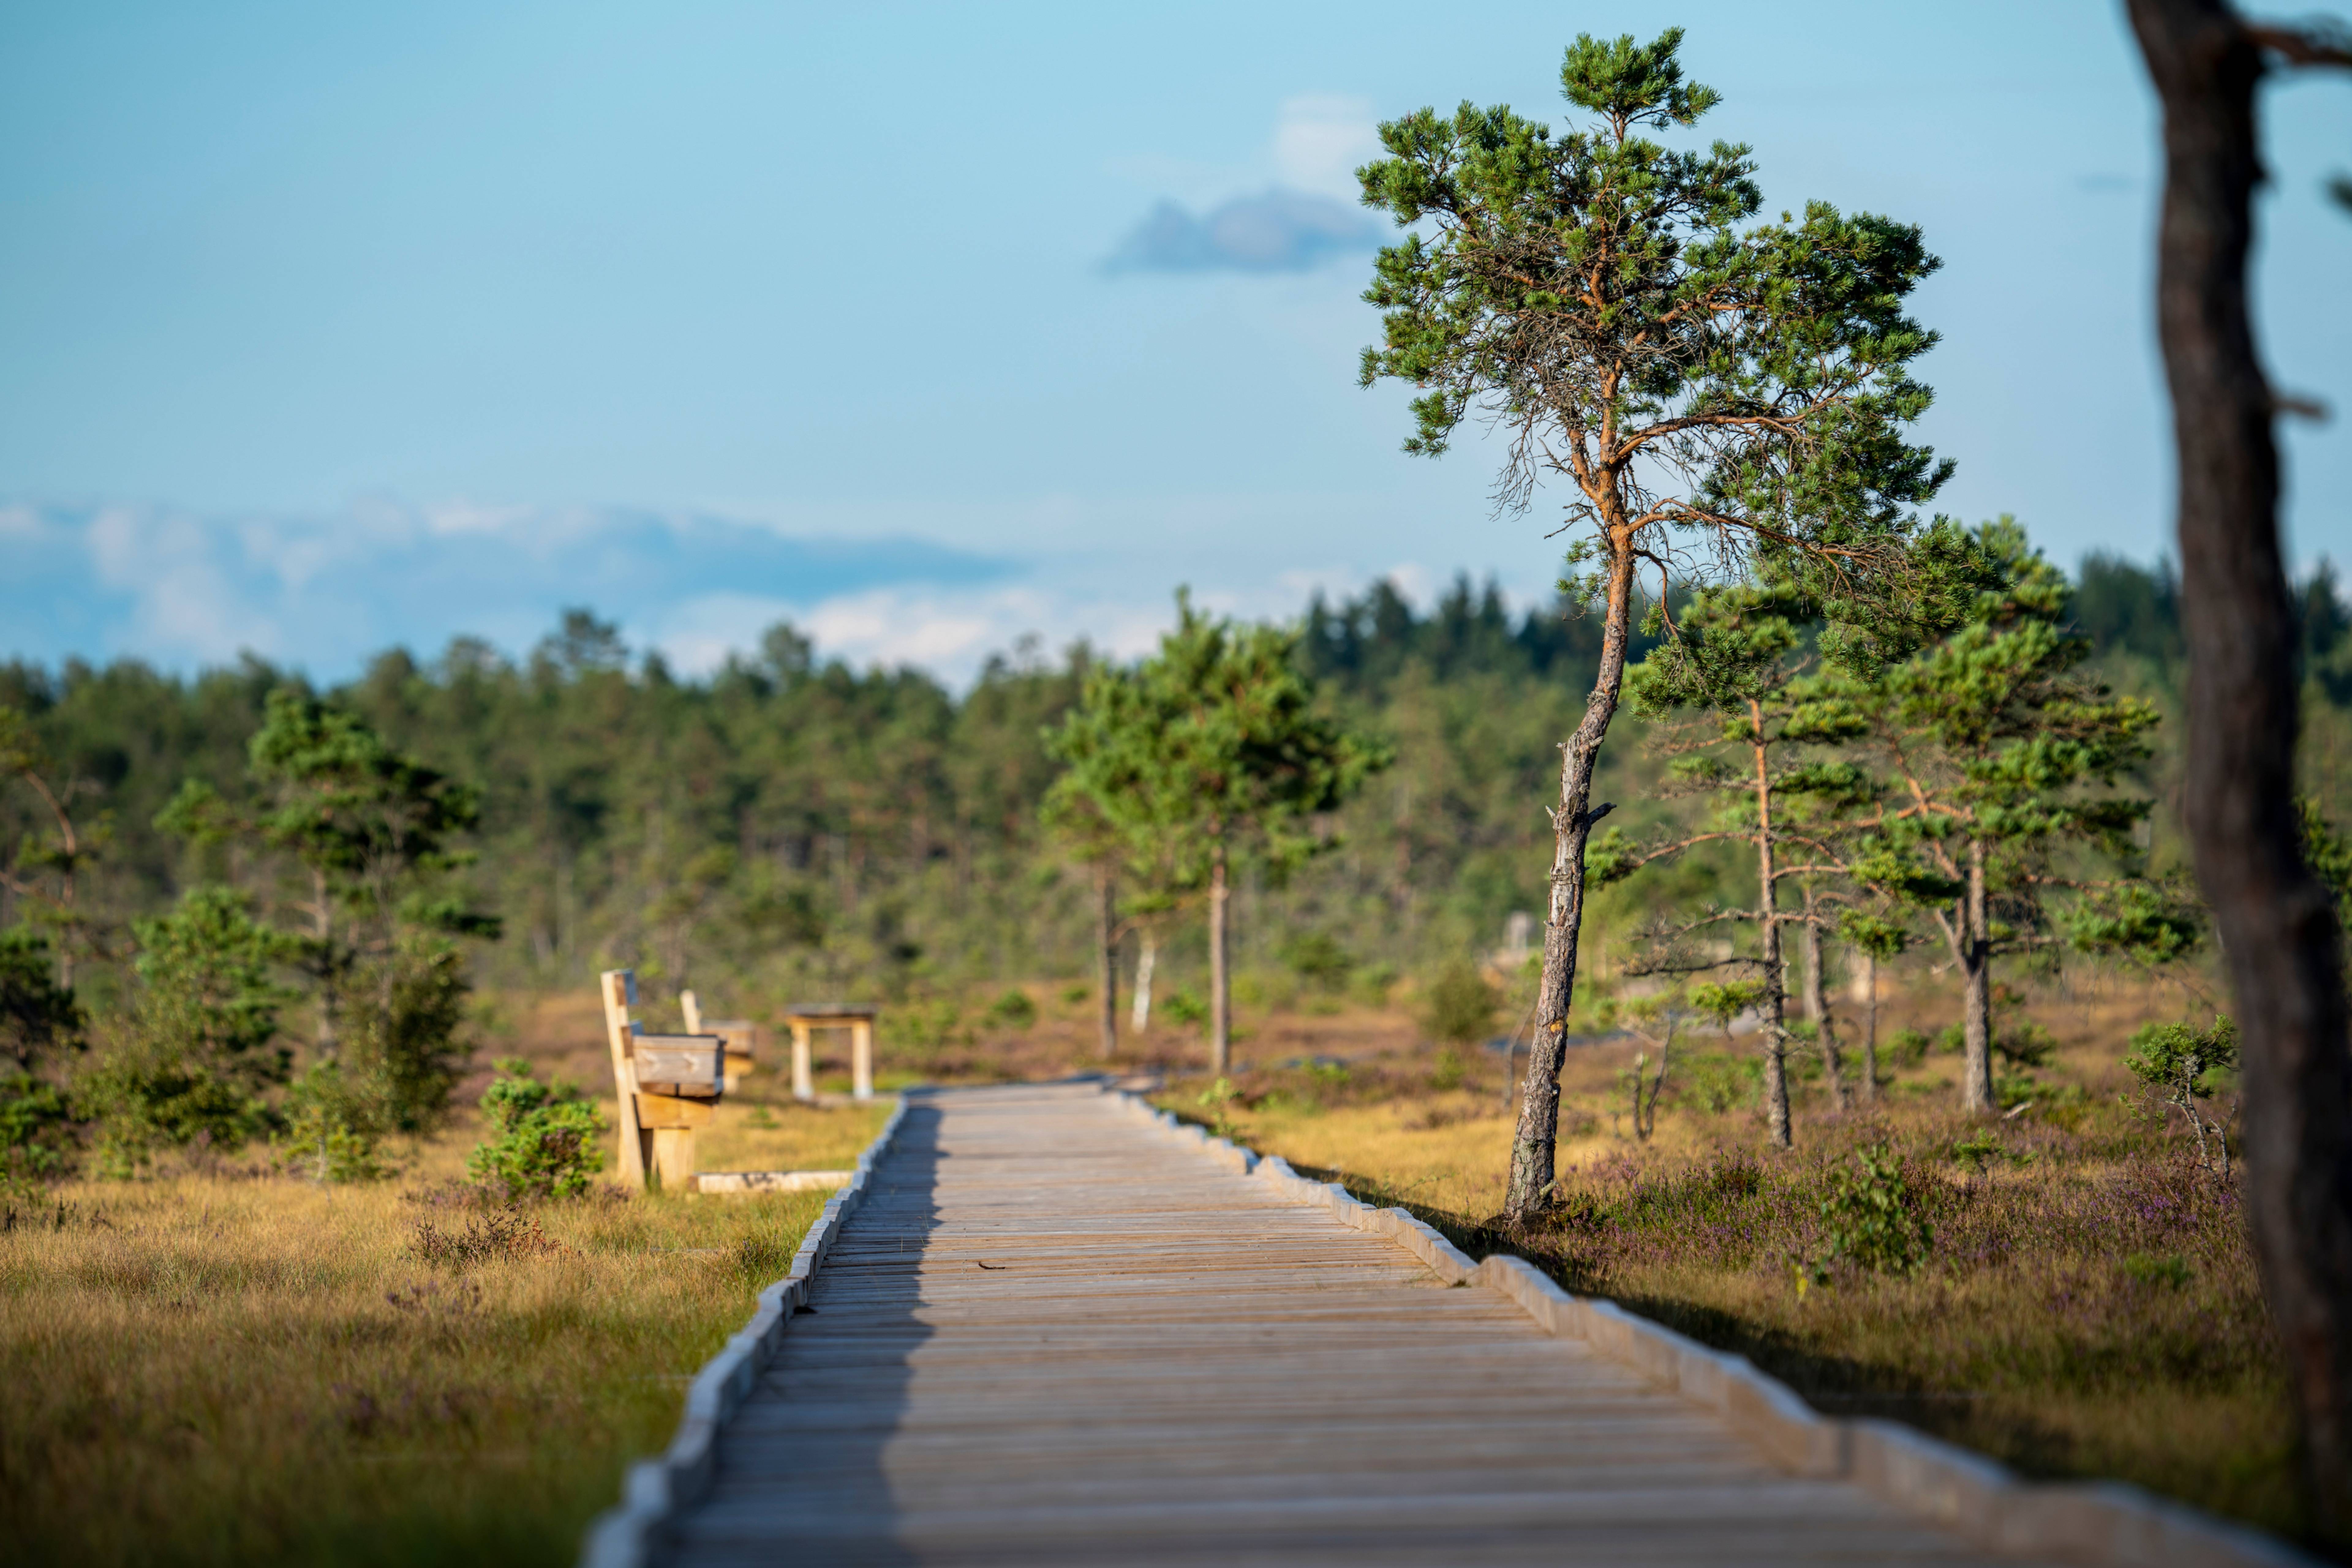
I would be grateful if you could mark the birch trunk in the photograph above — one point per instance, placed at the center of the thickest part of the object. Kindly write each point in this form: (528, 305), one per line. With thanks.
(1106, 944)
(1870, 1028)
(1535, 1145)
(1138, 1016)
(1221, 1006)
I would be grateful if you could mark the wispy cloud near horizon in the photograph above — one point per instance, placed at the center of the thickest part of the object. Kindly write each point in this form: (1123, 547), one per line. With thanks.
(325, 591)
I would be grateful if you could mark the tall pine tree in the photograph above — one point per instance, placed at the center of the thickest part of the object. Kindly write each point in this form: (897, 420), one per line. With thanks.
(1702, 387)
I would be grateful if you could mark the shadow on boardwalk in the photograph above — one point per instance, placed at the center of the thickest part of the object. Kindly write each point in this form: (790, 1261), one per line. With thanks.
(801, 1468)
(1052, 1335)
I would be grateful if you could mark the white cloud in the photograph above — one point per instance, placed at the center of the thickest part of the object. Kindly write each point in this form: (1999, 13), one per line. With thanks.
(330, 590)
(325, 592)
(951, 632)
(1321, 139)
(1303, 207)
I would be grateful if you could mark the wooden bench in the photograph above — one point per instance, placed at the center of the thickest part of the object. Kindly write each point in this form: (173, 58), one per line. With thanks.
(857, 1018)
(741, 1035)
(668, 1086)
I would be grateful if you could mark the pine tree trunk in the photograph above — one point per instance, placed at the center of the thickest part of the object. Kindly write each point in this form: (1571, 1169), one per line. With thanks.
(1138, 1016)
(2278, 928)
(322, 924)
(1221, 1006)
(1107, 945)
(1817, 1011)
(1976, 979)
(68, 930)
(1535, 1145)
(1774, 1004)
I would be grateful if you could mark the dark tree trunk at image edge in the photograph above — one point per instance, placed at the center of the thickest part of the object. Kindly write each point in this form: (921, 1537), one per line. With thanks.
(2277, 927)
(1533, 1148)
(1106, 947)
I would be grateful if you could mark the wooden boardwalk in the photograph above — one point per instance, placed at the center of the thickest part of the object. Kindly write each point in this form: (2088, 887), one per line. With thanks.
(1052, 1335)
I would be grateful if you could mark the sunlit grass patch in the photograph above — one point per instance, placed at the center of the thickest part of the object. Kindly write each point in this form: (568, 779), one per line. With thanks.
(212, 1369)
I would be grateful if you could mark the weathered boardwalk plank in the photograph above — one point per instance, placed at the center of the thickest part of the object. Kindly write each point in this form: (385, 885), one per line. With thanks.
(1051, 1337)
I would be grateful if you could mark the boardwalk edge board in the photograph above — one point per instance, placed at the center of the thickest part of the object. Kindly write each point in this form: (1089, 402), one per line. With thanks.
(2102, 1523)
(654, 1490)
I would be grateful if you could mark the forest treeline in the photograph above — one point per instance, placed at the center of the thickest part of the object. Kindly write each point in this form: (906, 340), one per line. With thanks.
(789, 822)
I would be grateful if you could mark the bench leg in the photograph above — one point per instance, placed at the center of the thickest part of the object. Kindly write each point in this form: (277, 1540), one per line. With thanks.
(804, 1079)
(674, 1158)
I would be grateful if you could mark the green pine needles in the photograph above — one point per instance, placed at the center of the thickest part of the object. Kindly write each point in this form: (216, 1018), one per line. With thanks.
(545, 1137)
(1709, 392)
(1211, 749)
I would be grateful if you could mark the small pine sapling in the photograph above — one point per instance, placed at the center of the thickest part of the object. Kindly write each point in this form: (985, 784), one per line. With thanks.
(1653, 1020)
(2177, 1064)
(333, 1127)
(544, 1136)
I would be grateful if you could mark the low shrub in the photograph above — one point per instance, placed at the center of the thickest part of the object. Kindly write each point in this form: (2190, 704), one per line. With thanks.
(1370, 985)
(2165, 1269)
(545, 1137)
(334, 1128)
(1460, 1006)
(1319, 961)
(148, 1098)
(1013, 1010)
(36, 1131)
(1905, 1048)
(407, 1041)
(1185, 1008)
(923, 1031)
(2025, 1044)
(39, 1019)
(1720, 1084)
(502, 1235)
(1870, 1218)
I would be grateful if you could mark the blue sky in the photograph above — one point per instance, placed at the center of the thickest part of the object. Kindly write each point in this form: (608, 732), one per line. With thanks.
(324, 327)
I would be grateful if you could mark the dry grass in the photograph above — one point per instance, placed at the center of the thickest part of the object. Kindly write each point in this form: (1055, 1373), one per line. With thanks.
(223, 1367)
(753, 1134)
(2089, 1308)
(214, 1367)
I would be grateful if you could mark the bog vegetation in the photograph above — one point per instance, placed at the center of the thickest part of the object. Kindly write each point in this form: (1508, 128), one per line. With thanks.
(1870, 761)
(268, 978)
